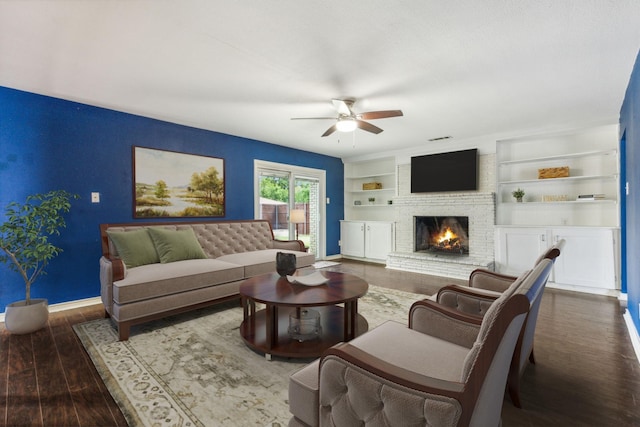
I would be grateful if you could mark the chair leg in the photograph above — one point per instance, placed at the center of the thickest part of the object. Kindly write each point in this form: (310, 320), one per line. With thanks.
(532, 359)
(514, 392)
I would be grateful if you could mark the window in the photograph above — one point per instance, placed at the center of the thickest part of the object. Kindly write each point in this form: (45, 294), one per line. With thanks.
(290, 198)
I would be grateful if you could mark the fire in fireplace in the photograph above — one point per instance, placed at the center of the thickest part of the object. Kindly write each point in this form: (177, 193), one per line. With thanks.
(442, 234)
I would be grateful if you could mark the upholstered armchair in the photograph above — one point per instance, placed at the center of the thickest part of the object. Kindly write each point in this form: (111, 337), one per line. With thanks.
(483, 279)
(484, 288)
(448, 368)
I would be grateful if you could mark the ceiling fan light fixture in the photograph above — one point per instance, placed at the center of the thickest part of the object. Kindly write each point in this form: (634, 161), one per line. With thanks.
(346, 125)
(349, 121)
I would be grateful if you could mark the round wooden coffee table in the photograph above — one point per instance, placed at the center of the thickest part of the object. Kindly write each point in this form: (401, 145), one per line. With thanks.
(267, 330)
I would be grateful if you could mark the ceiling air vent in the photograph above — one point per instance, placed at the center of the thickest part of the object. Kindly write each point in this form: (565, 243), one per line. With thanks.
(440, 138)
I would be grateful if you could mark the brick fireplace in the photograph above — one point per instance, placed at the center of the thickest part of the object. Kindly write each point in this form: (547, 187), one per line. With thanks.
(477, 208)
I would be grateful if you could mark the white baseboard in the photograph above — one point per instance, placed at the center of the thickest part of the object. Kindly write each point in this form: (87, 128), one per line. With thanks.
(623, 299)
(633, 333)
(68, 305)
(585, 289)
(371, 260)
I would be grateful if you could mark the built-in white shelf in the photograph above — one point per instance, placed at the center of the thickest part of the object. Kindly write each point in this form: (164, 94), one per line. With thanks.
(560, 157)
(591, 156)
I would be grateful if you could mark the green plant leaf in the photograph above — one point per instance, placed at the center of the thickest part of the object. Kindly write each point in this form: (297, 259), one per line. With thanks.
(24, 236)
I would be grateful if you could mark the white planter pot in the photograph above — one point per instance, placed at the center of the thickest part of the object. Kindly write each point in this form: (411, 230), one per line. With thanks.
(20, 318)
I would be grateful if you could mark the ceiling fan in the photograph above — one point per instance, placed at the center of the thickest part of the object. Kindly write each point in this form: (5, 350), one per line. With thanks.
(348, 120)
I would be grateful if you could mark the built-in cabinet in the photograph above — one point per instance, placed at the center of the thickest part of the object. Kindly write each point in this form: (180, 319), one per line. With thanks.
(588, 260)
(368, 229)
(560, 207)
(352, 238)
(372, 240)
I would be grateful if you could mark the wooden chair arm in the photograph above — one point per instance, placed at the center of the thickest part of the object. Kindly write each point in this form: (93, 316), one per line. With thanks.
(391, 372)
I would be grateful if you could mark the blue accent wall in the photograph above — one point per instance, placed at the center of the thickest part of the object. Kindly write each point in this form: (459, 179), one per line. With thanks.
(48, 143)
(630, 131)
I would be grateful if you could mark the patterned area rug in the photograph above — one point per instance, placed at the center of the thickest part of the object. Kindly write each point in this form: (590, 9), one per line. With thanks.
(195, 369)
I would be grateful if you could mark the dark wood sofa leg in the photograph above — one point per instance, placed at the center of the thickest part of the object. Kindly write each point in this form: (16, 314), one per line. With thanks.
(124, 330)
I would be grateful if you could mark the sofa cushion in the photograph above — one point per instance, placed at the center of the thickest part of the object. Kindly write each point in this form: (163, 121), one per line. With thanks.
(155, 280)
(264, 261)
(176, 245)
(134, 247)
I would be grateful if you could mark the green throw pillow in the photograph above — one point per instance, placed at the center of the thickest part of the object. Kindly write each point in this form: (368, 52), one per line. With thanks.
(176, 245)
(134, 247)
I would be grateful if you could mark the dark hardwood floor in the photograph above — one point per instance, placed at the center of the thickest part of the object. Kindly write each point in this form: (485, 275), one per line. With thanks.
(586, 372)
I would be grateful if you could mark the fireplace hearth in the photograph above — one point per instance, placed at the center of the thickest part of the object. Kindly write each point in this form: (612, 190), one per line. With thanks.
(442, 235)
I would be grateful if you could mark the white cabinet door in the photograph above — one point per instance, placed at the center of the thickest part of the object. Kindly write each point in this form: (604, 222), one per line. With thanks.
(352, 238)
(378, 240)
(519, 248)
(587, 259)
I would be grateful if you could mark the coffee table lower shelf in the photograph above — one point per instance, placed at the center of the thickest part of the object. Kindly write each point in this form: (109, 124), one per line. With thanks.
(254, 332)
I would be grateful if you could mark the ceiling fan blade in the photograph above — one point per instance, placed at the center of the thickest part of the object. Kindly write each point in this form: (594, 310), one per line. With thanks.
(313, 118)
(329, 131)
(371, 115)
(343, 106)
(368, 127)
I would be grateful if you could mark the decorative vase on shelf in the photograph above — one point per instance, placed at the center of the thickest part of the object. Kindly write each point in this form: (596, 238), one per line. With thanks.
(372, 200)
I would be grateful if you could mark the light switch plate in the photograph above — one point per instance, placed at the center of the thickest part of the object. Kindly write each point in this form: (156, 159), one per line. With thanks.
(95, 197)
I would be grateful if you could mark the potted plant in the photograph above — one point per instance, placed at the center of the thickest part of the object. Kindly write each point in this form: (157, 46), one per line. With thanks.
(25, 247)
(518, 194)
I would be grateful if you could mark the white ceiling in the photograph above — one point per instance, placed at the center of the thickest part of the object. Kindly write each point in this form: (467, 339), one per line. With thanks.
(462, 68)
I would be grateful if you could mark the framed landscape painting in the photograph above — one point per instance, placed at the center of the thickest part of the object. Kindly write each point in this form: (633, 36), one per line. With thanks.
(172, 184)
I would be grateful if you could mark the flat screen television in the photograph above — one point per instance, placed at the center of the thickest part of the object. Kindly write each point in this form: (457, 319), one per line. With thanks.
(452, 171)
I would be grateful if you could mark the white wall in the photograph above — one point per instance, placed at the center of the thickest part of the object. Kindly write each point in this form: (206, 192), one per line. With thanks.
(479, 206)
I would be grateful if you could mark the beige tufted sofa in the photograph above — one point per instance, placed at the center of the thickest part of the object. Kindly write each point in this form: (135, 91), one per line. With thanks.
(174, 279)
